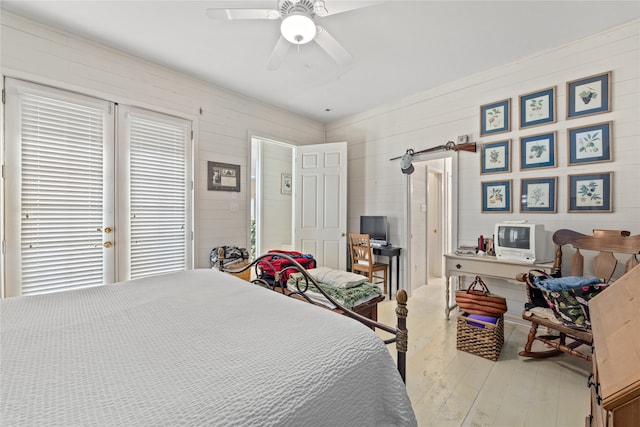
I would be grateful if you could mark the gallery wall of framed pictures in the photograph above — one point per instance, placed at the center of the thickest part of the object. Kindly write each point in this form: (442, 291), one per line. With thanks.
(587, 144)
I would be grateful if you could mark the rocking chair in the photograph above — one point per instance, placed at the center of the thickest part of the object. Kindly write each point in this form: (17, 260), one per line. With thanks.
(606, 243)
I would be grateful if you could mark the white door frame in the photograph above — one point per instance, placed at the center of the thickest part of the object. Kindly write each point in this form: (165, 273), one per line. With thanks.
(260, 210)
(342, 248)
(452, 192)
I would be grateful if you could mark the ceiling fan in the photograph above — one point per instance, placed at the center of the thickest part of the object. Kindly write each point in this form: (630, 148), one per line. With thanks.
(298, 24)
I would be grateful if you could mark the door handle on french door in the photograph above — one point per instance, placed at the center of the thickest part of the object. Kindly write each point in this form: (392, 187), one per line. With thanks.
(105, 244)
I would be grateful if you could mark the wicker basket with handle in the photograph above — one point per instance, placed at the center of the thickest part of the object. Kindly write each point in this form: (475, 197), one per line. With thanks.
(485, 341)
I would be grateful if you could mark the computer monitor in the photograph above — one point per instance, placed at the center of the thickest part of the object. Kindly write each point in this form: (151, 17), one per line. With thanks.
(377, 227)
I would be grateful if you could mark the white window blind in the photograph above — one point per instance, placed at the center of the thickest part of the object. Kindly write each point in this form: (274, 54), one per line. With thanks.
(159, 199)
(64, 227)
(61, 194)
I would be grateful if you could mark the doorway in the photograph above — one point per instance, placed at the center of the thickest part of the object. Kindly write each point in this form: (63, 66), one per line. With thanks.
(298, 199)
(431, 218)
(271, 196)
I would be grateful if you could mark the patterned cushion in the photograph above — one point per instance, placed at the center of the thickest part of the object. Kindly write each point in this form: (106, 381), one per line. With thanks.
(571, 306)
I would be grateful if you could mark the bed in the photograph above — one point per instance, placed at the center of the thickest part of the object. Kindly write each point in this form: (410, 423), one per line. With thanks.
(199, 347)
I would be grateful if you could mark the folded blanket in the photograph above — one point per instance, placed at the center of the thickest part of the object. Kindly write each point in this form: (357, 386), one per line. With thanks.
(348, 297)
(561, 283)
(337, 278)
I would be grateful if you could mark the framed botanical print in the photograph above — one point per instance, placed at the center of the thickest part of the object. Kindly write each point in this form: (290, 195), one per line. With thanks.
(591, 192)
(589, 95)
(496, 196)
(495, 157)
(538, 151)
(590, 144)
(538, 108)
(539, 194)
(285, 183)
(495, 117)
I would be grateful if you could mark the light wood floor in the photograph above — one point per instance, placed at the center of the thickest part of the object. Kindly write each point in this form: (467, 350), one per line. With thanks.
(449, 387)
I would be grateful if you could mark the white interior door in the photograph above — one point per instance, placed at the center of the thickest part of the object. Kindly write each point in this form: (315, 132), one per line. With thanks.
(320, 188)
(435, 215)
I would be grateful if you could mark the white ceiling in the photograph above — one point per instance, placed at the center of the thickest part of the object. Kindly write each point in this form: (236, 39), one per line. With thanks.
(399, 47)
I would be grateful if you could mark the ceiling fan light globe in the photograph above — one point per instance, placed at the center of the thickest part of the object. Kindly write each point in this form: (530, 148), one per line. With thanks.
(298, 28)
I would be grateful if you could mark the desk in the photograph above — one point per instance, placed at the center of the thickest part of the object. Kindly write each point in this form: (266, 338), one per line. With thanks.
(390, 252)
(487, 266)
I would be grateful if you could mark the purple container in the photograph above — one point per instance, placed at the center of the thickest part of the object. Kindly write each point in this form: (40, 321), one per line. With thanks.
(487, 319)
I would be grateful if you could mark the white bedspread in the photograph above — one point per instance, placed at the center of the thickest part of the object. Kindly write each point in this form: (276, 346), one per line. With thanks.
(192, 348)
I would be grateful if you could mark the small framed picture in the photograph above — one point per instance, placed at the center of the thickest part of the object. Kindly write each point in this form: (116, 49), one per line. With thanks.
(538, 151)
(495, 157)
(223, 177)
(591, 192)
(495, 117)
(589, 95)
(539, 194)
(590, 144)
(538, 108)
(496, 196)
(285, 183)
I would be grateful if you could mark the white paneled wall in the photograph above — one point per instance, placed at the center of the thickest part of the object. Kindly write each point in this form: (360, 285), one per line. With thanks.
(222, 120)
(430, 118)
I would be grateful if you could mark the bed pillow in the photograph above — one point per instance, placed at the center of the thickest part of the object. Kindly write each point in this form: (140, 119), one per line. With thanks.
(338, 278)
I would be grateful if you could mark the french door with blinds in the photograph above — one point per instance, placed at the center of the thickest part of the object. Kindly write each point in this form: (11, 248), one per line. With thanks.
(95, 192)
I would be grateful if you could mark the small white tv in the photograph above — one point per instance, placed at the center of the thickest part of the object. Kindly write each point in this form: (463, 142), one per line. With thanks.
(521, 242)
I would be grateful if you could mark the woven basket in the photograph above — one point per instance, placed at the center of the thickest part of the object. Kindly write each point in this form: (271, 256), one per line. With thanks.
(486, 342)
(245, 275)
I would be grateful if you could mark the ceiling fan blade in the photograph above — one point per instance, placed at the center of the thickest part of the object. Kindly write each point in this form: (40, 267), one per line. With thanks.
(278, 54)
(321, 9)
(332, 47)
(241, 13)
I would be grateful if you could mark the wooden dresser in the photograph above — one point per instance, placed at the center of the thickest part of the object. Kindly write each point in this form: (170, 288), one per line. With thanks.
(615, 386)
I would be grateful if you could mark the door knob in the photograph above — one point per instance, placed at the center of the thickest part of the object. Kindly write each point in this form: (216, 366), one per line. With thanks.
(343, 234)
(105, 244)
(107, 230)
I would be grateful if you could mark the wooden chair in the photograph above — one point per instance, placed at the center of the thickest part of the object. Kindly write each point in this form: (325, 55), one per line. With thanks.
(606, 243)
(362, 260)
